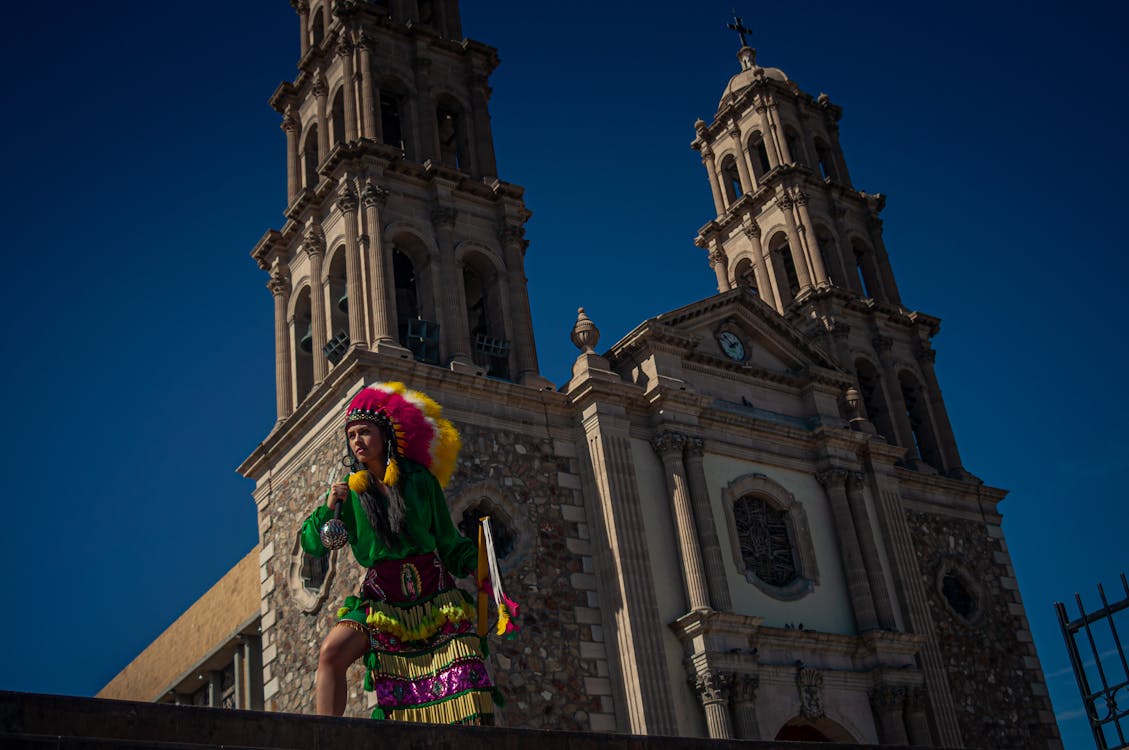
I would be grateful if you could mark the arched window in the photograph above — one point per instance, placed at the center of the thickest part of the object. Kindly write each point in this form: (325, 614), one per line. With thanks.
(826, 162)
(759, 153)
(920, 420)
(317, 26)
(829, 251)
(453, 146)
(795, 146)
(337, 301)
(392, 98)
(867, 272)
(337, 119)
(488, 341)
(782, 257)
(416, 326)
(303, 352)
(310, 158)
(743, 275)
(874, 400)
(731, 178)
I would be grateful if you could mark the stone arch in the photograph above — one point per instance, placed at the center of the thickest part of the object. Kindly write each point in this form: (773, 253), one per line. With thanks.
(393, 96)
(757, 506)
(823, 729)
(336, 283)
(920, 418)
(485, 498)
(337, 117)
(866, 265)
(825, 159)
(452, 123)
(417, 324)
(317, 25)
(484, 293)
(829, 249)
(758, 155)
(873, 391)
(743, 273)
(781, 251)
(730, 177)
(795, 141)
(310, 157)
(301, 339)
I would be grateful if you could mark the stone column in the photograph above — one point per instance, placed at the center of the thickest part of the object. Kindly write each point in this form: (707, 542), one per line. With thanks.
(483, 138)
(347, 205)
(917, 720)
(669, 447)
(945, 438)
(711, 172)
(237, 667)
(767, 135)
(834, 482)
(809, 236)
(718, 262)
(763, 268)
(381, 285)
(453, 324)
(368, 110)
(303, 8)
(215, 689)
(293, 161)
(525, 346)
(345, 52)
(279, 285)
(313, 243)
(716, 582)
(887, 702)
(321, 91)
(747, 185)
(713, 690)
(785, 203)
(744, 697)
(898, 416)
(883, 606)
(253, 671)
(786, 156)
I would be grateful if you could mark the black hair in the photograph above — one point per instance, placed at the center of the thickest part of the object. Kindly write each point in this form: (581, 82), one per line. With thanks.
(384, 506)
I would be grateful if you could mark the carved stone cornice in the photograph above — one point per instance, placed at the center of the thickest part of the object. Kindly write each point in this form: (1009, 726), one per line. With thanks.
(373, 194)
(346, 196)
(784, 202)
(712, 686)
(668, 443)
(809, 684)
(744, 688)
(717, 255)
(832, 477)
(886, 698)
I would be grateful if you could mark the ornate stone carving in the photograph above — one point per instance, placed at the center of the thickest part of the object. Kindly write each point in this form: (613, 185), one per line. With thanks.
(784, 202)
(707, 152)
(373, 194)
(289, 121)
(279, 281)
(856, 480)
(752, 229)
(745, 688)
(512, 233)
(313, 239)
(344, 45)
(712, 687)
(319, 88)
(809, 683)
(346, 196)
(765, 540)
(302, 6)
(695, 446)
(668, 442)
(364, 41)
(799, 197)
(832, 477)
(717, 255)
(887, 698)
(585, 334)
(444, 217)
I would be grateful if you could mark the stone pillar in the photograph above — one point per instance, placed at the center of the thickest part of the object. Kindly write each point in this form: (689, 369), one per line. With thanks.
(237, 667)
(303, 8)
(711, 172)
(834, 482)
(786, 156)
(452, 308)
(381, 285)
(716, 582)
(917, 720)
(944, 429)
(883, 606)
(279, 285)
(347, 205)
(524, 344)
(744, 697)
(747, 185)
(253, 671)
(784, 203)
(313, 243)
(763, 268)
(215, 689)
(898, 414)
(345, 52)
(669, 447)
(293, 161)
(767, 135)
(720, 266)
(321, 91)
(812, 242)
(483, 137)
(713, 689)
(886, 702)
(368, 108)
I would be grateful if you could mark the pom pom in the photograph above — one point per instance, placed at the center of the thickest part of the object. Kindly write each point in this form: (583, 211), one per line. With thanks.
(359, 481)
(392, 473)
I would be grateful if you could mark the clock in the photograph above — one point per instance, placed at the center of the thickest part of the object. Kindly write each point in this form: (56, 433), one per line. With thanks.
(732, 345)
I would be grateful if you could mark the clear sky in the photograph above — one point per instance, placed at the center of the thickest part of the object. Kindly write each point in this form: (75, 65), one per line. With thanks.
(143, 163)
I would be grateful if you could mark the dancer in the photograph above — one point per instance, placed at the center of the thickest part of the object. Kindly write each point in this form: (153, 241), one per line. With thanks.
(413, 626)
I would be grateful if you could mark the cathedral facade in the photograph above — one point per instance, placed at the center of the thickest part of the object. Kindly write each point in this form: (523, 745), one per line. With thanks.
(747, 518)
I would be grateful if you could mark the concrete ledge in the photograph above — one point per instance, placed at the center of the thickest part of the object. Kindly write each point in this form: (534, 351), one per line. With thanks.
(36, 722)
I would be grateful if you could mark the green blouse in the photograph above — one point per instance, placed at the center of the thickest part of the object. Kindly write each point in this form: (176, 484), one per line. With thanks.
(428, 521)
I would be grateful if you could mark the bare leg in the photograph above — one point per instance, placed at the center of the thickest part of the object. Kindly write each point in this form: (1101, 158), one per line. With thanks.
(342, 647)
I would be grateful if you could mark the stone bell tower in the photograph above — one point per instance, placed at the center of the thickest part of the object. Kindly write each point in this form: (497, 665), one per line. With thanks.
(399, 237)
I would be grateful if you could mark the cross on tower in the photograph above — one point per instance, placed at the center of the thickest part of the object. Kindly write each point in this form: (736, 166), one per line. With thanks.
(740, 28)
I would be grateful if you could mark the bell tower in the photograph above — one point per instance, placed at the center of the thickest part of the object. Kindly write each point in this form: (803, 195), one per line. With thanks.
(399, 237)
(793, 230)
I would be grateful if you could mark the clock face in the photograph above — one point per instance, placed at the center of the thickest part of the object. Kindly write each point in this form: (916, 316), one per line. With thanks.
(732, 346)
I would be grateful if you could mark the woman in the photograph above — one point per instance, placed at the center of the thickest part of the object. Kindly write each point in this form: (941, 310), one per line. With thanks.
(413, 627)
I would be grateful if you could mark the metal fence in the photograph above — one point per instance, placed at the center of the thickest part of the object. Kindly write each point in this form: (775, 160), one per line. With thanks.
(1100, 667)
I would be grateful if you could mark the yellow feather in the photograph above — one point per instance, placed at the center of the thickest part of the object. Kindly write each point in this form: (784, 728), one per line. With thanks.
(359, 481)
(392, 473)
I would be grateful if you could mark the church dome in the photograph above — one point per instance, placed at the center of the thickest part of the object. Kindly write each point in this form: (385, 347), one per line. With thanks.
(750, 72)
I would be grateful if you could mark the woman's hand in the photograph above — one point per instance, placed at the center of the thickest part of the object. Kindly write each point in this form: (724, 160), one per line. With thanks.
(338, 492)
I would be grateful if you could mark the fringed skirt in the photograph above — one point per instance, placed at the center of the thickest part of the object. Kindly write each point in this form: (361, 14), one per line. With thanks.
(425, 662)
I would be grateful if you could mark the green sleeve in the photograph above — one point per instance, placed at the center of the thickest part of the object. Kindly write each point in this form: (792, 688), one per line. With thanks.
(310, 536)
(458, 553)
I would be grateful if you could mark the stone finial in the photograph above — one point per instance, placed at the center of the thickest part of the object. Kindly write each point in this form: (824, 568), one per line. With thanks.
(585, 334)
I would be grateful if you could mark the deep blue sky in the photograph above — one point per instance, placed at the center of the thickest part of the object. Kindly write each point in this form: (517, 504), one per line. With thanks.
(143, 163)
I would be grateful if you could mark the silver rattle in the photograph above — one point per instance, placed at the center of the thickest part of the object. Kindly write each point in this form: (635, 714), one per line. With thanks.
(333, 533)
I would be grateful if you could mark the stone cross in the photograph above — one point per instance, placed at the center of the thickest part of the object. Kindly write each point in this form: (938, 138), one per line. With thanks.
(740, 28)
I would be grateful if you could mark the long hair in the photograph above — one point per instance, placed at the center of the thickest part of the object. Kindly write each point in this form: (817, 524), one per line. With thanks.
(383, 504)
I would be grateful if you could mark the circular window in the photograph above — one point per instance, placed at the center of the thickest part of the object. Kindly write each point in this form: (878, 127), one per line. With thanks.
(960, 592)
(504, 538)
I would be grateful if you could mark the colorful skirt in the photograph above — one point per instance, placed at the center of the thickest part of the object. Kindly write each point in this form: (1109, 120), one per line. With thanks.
(425, 662)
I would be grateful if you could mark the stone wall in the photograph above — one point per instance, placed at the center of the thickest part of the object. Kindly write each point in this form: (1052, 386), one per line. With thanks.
(555, 674)
(997, 683)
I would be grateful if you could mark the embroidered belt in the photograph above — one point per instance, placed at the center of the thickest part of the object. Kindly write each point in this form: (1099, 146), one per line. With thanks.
(406, 580)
